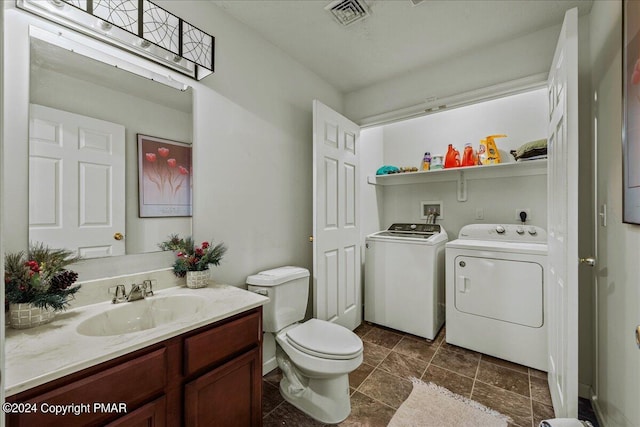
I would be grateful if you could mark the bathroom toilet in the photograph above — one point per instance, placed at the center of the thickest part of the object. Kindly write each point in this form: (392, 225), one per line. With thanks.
(315, 356)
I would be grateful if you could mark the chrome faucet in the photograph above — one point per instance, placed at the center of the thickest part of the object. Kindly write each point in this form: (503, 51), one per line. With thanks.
(137, 292)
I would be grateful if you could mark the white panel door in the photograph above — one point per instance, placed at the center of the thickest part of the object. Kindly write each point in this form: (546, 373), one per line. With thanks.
(562, 194)
(76, 182)
(336, 228)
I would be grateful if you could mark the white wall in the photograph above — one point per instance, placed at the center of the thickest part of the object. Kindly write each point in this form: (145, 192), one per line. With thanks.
(522, 117)
(371, 200)
(371, 157)
(617, 384)
(137, 115)
(253, 160)
(501, 62)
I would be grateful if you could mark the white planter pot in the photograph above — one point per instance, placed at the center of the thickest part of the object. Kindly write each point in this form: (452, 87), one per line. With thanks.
(23, 316)
(197, 279)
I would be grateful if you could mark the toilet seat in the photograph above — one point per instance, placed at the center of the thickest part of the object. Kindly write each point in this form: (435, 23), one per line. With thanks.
(325, 339)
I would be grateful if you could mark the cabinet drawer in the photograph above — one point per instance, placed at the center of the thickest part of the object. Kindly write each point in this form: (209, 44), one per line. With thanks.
(132, 383)
(215, 345)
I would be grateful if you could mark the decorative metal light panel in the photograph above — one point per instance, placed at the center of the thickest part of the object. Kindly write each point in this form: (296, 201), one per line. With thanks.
(161, 27)
(139, 26)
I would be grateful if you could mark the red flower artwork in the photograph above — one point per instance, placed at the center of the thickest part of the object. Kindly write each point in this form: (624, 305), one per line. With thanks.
(165, 181)
(162, 175)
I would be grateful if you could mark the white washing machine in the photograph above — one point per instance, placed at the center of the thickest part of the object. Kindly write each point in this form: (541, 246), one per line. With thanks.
(495, 292)
(404, 278)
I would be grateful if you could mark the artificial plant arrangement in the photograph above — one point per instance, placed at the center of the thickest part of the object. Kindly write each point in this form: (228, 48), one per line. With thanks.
(39, 277)
(190, 257)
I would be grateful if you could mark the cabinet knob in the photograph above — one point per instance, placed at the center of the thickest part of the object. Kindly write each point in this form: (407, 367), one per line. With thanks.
(118, 236)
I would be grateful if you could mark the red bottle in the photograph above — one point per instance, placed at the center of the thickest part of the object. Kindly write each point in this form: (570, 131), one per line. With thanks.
(469, 156)
(452, 160)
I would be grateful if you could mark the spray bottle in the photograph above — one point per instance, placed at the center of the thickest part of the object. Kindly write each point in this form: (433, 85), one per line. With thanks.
(488, 153)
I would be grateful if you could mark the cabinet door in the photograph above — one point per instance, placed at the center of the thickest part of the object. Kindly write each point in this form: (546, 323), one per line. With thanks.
(228, 396)
(152, 414)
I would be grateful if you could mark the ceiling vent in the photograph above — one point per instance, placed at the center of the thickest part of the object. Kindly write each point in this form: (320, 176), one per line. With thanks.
(347, 12)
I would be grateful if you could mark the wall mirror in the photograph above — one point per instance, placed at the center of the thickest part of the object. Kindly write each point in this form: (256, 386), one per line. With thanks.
(103, 109)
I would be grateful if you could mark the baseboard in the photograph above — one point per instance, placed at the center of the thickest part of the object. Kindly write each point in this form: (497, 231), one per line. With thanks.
(595, 404)
(269, 365)
(585, 391)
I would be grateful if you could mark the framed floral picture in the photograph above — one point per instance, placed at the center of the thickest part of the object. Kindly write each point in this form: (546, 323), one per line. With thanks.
(164, 177)
(631, 112)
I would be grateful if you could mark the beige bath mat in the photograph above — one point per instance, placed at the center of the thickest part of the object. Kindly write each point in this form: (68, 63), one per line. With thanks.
(430, 405)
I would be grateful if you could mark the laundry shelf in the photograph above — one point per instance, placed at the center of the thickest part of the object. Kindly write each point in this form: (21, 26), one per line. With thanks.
(502, 170)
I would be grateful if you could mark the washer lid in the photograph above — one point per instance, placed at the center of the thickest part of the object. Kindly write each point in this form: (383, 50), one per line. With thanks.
(325, 339)
(277, 276)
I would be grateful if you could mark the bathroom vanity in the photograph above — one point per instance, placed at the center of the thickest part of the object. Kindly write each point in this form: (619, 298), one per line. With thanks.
(209, 373)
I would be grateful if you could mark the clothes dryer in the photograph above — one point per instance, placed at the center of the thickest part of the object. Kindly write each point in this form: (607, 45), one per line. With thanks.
(495, 292)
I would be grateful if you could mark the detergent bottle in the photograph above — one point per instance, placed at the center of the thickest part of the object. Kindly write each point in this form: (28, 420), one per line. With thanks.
(452, 160)
(488, 153)
(468, 156)
(426, 161)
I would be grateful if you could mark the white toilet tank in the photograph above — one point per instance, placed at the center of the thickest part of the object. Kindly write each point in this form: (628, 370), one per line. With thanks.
(288, 290)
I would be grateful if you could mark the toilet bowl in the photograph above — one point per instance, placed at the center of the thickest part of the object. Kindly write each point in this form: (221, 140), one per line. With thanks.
(315, 356)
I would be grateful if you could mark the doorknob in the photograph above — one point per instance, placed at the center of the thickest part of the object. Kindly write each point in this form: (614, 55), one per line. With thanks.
(310, 239)
(638, 336)
(590, 261)
(118, 236)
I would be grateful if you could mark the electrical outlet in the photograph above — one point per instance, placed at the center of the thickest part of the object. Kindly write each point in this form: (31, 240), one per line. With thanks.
(525, 210)
(479, 213)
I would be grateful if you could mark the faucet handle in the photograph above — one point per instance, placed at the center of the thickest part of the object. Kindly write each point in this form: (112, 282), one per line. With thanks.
(147, 288)
(119, 295)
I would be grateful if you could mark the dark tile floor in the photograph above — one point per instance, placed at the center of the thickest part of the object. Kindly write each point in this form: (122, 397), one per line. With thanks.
(381, 383)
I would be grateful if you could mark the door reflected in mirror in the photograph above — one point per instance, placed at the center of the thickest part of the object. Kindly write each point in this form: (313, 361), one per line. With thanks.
(85, 116)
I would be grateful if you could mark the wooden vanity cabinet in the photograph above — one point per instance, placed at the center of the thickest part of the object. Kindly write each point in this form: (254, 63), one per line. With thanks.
(211, 376)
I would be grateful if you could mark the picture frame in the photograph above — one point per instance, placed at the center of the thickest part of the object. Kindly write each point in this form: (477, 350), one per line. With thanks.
(631, 112)
(164, 177)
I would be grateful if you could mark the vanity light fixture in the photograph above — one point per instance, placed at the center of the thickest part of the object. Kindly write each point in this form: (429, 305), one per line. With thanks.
(138, 26)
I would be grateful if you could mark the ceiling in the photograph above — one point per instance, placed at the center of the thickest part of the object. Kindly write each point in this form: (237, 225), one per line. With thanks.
(397, 37)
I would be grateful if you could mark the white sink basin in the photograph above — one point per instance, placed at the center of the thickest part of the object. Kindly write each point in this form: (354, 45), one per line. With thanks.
(143, 314)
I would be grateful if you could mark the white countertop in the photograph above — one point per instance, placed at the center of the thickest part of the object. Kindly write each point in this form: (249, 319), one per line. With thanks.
(38, 355)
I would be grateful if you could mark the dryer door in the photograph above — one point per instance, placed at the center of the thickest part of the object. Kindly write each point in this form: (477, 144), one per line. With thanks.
(507, 290)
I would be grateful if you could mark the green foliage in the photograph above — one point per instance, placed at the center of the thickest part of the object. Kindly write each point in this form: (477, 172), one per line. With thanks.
(190, 257)
(39, 277)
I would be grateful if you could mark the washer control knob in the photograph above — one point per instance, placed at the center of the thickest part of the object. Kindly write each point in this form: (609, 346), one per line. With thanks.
(533, 231)
(520, 230)
(500, 229)
(413, 226)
